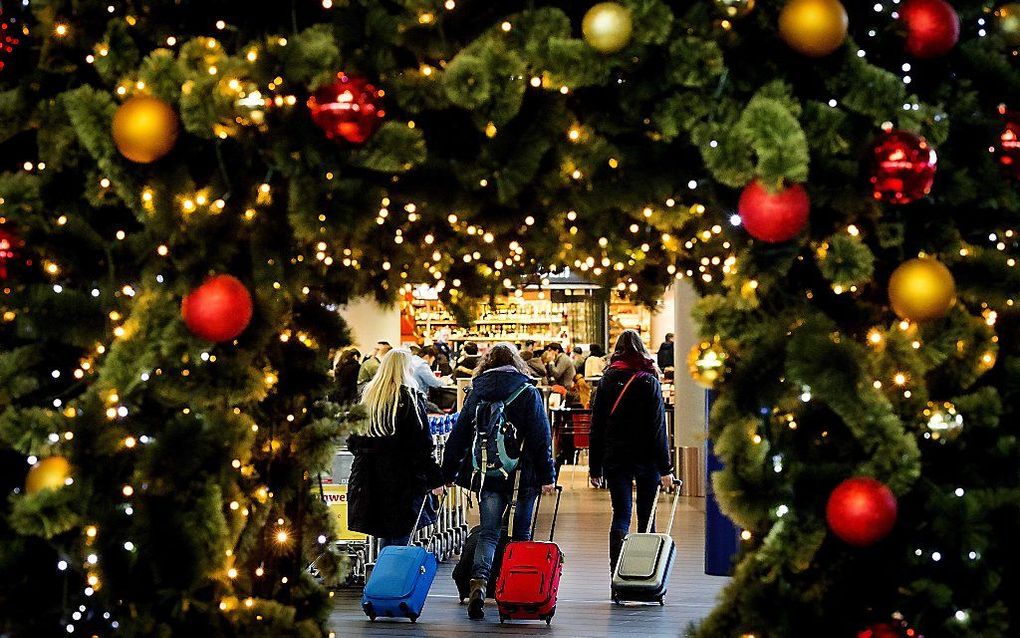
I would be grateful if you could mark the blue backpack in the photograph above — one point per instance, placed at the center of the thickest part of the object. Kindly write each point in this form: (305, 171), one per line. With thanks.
(497, 448)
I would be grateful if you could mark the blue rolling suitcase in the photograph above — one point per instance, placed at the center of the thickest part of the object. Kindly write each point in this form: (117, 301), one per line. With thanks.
(400, 581)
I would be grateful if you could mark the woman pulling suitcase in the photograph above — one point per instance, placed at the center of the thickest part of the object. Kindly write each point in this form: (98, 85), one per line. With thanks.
(393, 464)
(502, 430)
(628, 438)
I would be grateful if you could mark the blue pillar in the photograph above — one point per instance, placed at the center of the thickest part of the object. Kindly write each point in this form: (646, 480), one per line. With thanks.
(722, 538)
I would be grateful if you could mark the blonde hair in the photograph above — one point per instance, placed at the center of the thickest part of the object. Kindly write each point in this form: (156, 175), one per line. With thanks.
(381, 397)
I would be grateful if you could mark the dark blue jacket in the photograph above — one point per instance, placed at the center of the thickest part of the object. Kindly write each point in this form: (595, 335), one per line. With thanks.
(527, 413)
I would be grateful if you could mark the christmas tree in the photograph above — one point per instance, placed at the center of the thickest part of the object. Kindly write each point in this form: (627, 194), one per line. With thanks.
(839, 184)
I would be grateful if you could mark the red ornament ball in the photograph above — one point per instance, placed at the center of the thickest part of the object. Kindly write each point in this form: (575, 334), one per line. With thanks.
(350, 108)
(903, 167)
(218, 310)
(9, 244)
(1008, 147)
(773, 217)
(861, 511)
(933, 28)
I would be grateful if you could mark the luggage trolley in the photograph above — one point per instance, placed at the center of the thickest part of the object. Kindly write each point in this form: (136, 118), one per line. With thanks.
(451, 527)
(355, 545)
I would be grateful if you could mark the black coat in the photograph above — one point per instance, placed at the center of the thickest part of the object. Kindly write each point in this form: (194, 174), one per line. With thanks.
(634, 435)
(392, 474)
(527, 413)
(347, 382)
(665, 356)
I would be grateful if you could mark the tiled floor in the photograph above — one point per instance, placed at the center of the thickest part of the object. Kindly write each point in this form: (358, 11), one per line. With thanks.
(584, 608)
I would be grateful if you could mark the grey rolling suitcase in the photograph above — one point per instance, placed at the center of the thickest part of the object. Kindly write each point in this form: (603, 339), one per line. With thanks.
(646, 559)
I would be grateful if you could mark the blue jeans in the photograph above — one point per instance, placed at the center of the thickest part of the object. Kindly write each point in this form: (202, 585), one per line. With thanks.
(620, 481)
(393, 540)
(492, 505)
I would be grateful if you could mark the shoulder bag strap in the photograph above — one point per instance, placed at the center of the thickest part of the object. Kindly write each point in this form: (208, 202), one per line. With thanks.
(510, 399)
(623, 391)
(512, 510)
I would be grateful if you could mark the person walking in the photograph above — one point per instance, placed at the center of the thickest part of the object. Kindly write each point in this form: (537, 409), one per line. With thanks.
(596, 361)
(393, 467)
(665, 354)
(628, 437)
(502, 377)
(345, 373)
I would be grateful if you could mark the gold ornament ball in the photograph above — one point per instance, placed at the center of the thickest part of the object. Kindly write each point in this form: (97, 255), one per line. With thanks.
(1008, 18)
(707, 363)
(815, 28)
(735, 8)
(145, 129)
(607, 27)
(48, 474)
(921, 289)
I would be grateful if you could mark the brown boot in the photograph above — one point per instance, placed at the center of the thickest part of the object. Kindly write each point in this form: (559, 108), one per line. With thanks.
(476, 600)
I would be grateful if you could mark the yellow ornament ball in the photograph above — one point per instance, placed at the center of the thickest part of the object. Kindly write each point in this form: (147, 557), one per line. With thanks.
(1008, 20)
(607, 27)
(921, 289)
(48, 474)
(145, 129)
(707, 363)
(815, 28)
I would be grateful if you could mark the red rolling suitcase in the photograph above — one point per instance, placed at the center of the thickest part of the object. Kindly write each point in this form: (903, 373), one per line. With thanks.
(529, 581)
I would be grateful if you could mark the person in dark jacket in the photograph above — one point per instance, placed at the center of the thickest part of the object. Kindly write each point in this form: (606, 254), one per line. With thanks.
(501, 375)
(628, 437)
(393, 467)
(345, 372)
(665, 354)
(468, 361)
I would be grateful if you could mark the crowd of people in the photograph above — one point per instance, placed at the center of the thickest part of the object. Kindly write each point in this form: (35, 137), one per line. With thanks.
(394, 467)
(436, 366)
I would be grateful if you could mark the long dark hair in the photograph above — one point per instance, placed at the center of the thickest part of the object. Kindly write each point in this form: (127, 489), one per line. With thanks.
(630, 346)
(499, 355)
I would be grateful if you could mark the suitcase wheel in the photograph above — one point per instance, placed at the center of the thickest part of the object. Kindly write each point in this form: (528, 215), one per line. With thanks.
(413, 618)
(370, 611)
(502, 619)
(662, 601)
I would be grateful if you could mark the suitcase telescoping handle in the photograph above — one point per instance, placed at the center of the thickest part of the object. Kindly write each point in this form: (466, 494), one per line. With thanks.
(556, 511)
(421, 510)
(672, 515)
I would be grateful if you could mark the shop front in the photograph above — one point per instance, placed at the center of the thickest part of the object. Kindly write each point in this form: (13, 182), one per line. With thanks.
(557, 307)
